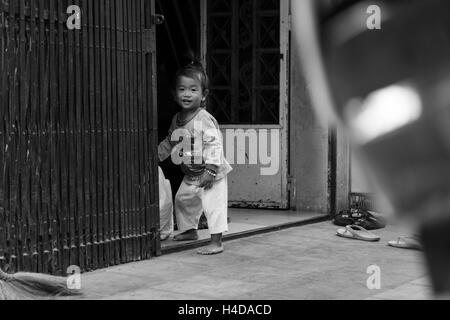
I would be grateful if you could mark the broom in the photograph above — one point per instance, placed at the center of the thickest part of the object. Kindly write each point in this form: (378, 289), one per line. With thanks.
(26, 285)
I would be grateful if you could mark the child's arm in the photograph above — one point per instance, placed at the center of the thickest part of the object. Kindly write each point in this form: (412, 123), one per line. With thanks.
(164, 149)
(212, 151)
(166, 146)
(212, 144)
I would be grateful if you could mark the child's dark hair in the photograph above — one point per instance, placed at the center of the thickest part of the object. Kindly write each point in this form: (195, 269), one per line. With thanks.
(193, 69)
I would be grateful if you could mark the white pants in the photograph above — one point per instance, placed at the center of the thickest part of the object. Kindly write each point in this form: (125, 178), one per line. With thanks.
(191, 201)
(165, 206)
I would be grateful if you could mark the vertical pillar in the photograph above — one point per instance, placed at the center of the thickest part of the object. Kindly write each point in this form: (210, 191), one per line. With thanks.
(342, 170)
(308, 145)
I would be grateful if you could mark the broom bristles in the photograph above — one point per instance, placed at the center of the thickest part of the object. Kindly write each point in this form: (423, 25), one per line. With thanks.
(25, 285)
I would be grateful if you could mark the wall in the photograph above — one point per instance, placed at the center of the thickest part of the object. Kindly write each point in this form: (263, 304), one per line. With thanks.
(343, 170)
(308, 146)
(362, 181)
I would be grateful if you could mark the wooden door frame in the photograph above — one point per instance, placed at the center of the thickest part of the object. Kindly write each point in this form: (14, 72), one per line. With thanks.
(150, 28)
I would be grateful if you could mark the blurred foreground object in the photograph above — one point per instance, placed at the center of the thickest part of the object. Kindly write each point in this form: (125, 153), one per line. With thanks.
(390, 88)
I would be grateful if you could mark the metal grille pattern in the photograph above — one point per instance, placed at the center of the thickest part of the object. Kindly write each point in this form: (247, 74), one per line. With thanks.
(78, 176)
(244, 60)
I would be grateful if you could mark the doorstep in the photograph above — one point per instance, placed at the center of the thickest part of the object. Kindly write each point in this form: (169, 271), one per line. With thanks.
(249, 222)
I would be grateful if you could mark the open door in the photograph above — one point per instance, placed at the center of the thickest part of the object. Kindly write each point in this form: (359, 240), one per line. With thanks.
(246, 46)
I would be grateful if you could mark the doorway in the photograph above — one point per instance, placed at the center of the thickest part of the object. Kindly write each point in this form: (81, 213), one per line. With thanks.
(256, 80)
(248, 78)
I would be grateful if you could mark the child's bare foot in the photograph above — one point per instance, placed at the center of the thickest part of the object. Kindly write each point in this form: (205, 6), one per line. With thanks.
(215, 247)
(210, 250)
(187, 236)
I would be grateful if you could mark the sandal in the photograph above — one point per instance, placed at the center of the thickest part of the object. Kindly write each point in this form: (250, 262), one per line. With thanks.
(357, 232)
(406, 243)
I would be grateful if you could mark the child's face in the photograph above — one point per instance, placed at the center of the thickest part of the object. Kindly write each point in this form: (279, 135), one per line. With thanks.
(189, 93)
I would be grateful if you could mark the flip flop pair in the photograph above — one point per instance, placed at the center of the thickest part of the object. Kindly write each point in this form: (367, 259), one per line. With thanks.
(366, 219)
(406, 243)
(357, 232)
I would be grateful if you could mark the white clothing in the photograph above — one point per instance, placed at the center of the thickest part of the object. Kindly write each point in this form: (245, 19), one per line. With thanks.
(165, 206)
(191, 201)
(203, 132)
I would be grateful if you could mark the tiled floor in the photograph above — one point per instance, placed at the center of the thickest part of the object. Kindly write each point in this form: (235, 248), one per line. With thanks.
(250, 220)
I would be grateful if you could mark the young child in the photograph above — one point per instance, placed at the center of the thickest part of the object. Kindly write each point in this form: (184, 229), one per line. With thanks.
(204, 188)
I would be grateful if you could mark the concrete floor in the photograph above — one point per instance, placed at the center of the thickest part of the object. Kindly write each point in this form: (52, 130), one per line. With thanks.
(307, 262)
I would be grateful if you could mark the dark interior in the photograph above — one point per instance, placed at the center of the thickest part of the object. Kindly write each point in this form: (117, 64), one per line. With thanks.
(179, 35)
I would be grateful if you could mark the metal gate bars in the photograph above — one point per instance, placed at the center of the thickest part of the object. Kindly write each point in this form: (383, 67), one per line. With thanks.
(78, 174)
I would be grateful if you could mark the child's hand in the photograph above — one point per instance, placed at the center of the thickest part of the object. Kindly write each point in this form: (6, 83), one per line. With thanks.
(206, 181)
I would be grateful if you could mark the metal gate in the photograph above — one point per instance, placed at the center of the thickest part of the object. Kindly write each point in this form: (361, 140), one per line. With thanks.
(78, 138)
